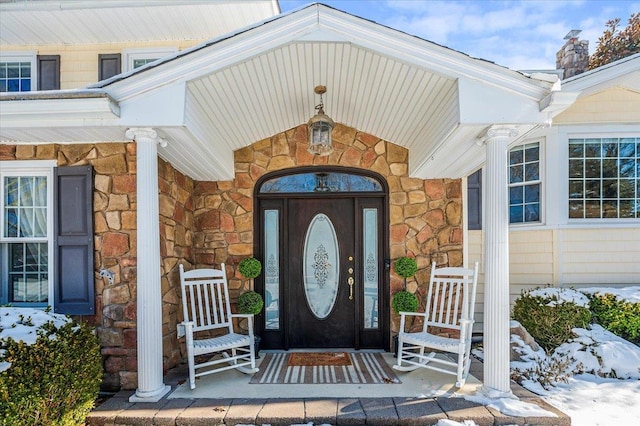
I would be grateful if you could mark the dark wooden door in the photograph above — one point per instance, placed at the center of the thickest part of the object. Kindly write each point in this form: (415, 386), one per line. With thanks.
(321, 263)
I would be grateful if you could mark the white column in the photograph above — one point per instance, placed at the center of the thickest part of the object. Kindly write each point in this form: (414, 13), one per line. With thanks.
(496, 268)
(149, 297)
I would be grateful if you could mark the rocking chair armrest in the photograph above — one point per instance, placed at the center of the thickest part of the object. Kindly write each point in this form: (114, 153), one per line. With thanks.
(184, 328)
(415, 314)
(249, 318)
(467, 322)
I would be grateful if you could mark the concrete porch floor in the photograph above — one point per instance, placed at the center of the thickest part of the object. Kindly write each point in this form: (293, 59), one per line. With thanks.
(176, 409)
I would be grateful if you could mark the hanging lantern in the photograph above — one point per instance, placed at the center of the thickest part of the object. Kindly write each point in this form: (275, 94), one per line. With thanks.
(320, 127)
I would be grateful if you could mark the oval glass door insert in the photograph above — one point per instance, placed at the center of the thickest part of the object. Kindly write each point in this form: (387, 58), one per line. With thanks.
(321, 266)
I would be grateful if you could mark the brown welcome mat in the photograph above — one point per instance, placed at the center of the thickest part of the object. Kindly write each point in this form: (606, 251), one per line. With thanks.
(318, 358)
(364, 368)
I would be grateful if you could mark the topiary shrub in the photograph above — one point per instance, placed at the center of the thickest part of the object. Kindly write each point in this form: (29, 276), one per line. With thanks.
(618, 316)
(250, 302)
(403, 301)
(549, 314)
(50, 368)
(250, 267)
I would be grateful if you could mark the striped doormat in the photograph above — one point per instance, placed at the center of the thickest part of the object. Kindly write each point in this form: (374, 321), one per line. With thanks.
(365, 368)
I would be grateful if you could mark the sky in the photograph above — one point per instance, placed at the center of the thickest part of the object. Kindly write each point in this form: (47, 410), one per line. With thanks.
(521, 35)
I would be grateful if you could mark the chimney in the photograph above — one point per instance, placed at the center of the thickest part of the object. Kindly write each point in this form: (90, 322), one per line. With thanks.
(573, 57)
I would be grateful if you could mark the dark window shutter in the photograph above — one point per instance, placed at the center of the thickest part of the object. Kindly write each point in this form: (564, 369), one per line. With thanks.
(74, 292)
(474, 199)
(108, 65)
(48, 72)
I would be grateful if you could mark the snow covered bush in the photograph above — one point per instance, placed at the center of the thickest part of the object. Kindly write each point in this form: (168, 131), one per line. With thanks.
(50, 368)
(550, 314)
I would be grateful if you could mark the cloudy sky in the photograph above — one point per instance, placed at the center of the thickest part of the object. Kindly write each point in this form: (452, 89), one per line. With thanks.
(517, 34)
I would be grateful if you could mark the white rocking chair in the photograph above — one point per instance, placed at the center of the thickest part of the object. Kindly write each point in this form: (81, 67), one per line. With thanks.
(450, 304)
(207, 310)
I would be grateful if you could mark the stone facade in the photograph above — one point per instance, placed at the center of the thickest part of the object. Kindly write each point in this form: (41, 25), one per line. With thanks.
(425, 215)
(207, 223)
(114, 212)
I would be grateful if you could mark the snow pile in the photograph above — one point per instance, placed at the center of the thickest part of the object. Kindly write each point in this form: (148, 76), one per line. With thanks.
(561, 295)
(627, 294)
(22, 324)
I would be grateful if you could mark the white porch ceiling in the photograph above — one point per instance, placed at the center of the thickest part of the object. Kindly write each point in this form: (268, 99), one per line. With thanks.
(44, 22)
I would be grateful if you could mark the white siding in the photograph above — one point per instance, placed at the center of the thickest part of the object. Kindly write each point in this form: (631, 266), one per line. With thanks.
(577, 258)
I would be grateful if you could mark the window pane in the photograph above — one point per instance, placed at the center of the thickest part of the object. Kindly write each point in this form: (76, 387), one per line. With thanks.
(576, 209)
(370, 272)
(28, 278)
(532, 213)
(610, 188)
(532, 154)
(627, 149)
(592, 168)
(516, 174)
(321, 182)
(516, 195)
(627, 167)
(609, 209)
(576, 150)
(576, 189)
(592, 149)
(576, 168)
(592, 209)
(516, 214)
(11, 227)
(531, 172)
(272, 270)
(516, 156)
(532, 193)
(592, 189)
(627, 188)
(610, 148)
(626, 208)
(609, 168)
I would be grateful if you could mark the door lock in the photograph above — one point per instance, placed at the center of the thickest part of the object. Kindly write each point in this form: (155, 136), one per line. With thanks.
(350, 281)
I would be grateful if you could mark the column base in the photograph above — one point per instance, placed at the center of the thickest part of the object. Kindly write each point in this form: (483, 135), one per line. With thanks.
(154, 396)
(492, 393)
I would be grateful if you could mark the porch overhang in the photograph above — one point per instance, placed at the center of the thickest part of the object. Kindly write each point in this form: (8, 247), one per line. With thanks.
(225, 94)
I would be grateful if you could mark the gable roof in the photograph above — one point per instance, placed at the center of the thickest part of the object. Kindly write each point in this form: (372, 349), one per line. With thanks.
(249, 85)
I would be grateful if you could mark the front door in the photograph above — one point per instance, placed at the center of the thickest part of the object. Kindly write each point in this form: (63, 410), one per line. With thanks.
(322, 242)
(321, 278)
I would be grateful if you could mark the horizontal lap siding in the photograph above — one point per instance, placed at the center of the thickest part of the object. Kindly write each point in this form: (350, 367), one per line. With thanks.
(563, 257)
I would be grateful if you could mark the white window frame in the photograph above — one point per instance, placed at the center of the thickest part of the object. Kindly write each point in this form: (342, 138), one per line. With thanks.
(596, 134)
(23, 56)
(130, 55)
(542, 174)
(28, 168)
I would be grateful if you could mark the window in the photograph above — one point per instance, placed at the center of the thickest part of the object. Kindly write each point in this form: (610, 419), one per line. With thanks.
(604, 178)
(26, 235)
(46, 236)
(524, 184)
(135, 58)
(18, 72)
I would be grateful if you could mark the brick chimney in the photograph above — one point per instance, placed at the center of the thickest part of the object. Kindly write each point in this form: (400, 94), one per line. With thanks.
(573, 57)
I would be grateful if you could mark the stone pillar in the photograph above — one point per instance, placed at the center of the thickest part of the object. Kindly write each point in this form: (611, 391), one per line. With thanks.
(496, 268)
(149, 297)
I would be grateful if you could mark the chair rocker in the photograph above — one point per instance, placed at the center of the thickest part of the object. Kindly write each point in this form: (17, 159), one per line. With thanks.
(450, 304)
(207, 311)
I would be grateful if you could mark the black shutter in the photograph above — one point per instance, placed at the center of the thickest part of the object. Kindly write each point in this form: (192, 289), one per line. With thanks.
(108, 65)
(474, 199)
(74, 292)
(48, 72)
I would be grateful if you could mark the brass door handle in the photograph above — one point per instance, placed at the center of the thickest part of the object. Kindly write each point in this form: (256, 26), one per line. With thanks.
(350, 282)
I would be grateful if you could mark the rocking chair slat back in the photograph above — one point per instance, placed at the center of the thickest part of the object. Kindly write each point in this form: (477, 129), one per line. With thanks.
(448, 289)
(205, 301)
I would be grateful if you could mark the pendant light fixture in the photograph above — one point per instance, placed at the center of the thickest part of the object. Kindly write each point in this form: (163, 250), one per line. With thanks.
(320, 127)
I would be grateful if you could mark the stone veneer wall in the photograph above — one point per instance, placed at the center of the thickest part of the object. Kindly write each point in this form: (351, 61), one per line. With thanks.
(425, 215)
(114, 207)
(176, 240)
